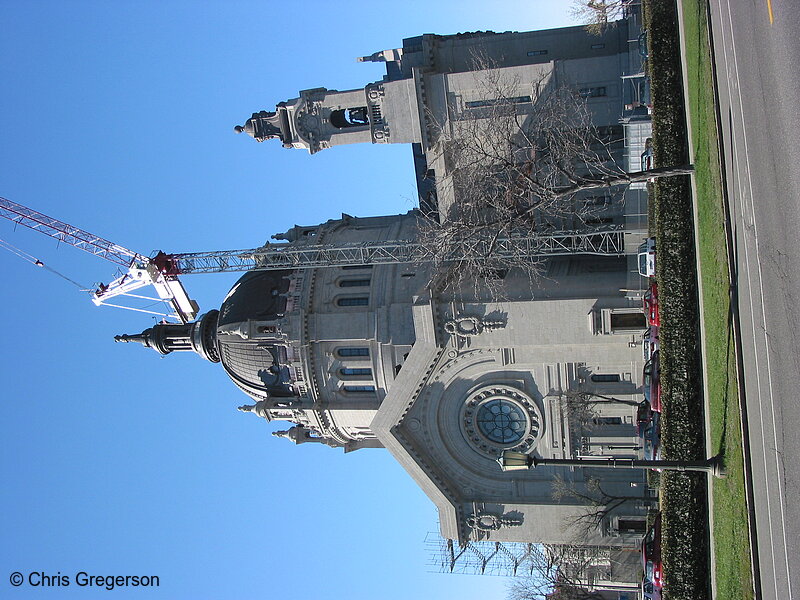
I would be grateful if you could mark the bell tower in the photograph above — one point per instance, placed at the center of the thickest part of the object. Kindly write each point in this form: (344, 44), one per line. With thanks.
(381, 112)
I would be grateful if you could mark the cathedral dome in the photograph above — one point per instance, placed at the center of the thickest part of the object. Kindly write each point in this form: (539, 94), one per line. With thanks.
(258, 295)
(253, 354)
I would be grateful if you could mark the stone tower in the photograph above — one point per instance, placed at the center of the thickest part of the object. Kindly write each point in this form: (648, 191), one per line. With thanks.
(382, 112)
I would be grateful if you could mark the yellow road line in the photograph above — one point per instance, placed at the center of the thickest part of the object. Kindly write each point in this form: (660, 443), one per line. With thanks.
(769, 8)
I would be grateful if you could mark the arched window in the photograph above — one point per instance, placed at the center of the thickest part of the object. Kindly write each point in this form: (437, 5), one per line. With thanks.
(353, 301)
(359, 389)
(352, 351)
(605, 378)
(497, 102)
(354, 283)
(355, 372)
(607, 420)
(592, 92)
(349, 117)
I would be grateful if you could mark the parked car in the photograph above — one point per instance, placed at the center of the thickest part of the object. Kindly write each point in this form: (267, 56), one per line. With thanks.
(651, 438)
(651, 555)
(646, 99)
(647, 258)
(651, 383)
(649, 591)
(643, 44)
(650, 305)
(650, 343)
(648, 428)
(644, 416)
(647, 159)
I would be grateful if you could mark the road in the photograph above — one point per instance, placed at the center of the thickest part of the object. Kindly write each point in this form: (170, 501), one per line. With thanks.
(757, 54)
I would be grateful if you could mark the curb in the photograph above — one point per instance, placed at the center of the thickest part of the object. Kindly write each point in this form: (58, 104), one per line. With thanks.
(712, 561)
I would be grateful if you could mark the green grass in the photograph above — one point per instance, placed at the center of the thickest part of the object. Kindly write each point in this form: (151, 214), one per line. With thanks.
(730, 535)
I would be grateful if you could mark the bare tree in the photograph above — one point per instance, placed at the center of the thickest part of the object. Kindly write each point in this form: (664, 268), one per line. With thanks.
(519, 162)
(598, 501)
(574, 398)
(533, 588)
(581, 408)
(598, 14)
(562, 572)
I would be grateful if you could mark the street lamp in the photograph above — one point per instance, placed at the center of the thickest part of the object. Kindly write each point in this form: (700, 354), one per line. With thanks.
(516, 461)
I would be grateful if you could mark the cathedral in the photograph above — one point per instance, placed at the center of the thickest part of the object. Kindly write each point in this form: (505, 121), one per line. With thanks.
(377, 355)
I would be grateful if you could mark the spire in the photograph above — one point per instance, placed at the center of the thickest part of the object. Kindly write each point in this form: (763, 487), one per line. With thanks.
(259, 409)
(300, 434)
(141, 338)
(199, 336)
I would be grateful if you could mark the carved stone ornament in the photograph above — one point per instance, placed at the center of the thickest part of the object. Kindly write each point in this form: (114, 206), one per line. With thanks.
(263, 125)
(300, 434)
(260, 409)
(379, 129)
(466, 326)
(486, 521)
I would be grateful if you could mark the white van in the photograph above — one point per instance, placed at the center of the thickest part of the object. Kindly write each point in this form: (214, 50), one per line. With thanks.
(647, 258)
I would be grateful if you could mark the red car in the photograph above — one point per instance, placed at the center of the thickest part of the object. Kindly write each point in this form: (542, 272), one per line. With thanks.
(650, 304)
(651, 383)
(650, 343)
(651, 555)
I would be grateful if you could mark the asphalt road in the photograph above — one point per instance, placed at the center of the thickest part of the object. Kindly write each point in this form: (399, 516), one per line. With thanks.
(757, 53)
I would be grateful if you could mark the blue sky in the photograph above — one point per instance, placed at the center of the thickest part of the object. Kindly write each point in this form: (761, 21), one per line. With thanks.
(118, 117)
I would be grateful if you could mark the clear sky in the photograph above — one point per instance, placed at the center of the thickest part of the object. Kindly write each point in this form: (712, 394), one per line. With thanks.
(118, 117)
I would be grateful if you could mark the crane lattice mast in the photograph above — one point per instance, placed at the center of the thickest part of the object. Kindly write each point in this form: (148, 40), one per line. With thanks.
(607, 241)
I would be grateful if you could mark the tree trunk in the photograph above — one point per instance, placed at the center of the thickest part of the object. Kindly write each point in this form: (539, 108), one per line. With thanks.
(612, 400)
(633, 177)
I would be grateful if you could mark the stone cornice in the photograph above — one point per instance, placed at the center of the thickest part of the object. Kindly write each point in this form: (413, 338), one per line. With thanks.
(415, 375)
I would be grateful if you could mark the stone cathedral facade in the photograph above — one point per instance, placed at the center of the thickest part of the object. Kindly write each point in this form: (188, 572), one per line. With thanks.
(373, 356)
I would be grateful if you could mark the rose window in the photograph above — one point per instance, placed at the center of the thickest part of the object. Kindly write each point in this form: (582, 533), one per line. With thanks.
(502, 421)
(501, 417)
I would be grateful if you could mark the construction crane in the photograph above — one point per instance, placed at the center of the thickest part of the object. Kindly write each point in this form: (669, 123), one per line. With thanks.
(140, 271)
(162, 270)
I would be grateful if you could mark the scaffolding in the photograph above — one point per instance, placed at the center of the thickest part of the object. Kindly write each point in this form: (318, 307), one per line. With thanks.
(505, 559)
(586, 565)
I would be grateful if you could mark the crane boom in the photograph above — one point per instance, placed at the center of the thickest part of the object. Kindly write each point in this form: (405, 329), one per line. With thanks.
(66, 233)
